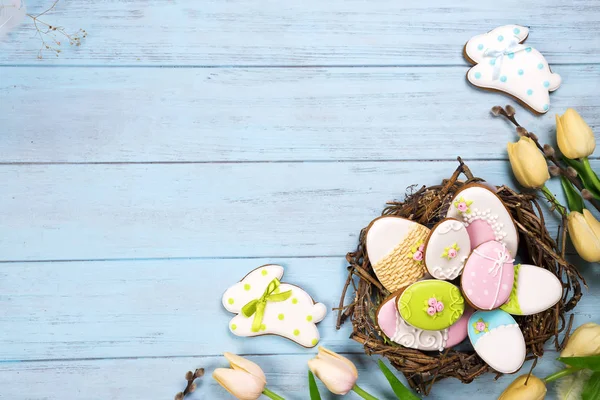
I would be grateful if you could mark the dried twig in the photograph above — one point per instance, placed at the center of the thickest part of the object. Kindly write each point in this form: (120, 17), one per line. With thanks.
(190, 377)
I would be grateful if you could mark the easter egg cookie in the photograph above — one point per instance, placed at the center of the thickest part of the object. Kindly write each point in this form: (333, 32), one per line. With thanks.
(534, 290)
(446, 249)
(498, 340)
(395, 248)
(485, 216)
(264, 306)
(398, 331)
(505, 64)
(431, 304)
(488, 277)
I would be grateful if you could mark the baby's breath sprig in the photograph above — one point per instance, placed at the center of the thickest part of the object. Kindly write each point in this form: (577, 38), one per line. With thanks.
(190, 377)
(53, 36)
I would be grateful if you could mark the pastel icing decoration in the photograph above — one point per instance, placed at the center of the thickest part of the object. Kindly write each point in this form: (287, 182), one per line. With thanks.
(431, 304)
(399, 331)
(395, 248)
(534, 290)
(265, 306)
(488, 276)
(485, 217)
(447, 248)
(497, 339)
(511, 67)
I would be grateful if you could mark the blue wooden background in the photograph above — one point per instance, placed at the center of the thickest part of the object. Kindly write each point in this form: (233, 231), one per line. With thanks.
(188, 142)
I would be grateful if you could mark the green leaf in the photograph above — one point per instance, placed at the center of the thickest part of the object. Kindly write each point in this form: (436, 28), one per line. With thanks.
(312, 385)
(590, 362)
(591, 390)
(588, 177)
(401, 391)
(574, 200)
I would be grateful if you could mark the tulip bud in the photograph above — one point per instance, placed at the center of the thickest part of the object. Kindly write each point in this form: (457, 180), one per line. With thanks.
(534, 390)
(574, 136)
(528, 163)
(337, 372)
(245, 380)
(584, 341)
(584, 231)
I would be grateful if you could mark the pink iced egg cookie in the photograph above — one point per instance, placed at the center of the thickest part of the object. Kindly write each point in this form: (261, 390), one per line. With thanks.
(488, 276)
(398, 331)
(485, 216)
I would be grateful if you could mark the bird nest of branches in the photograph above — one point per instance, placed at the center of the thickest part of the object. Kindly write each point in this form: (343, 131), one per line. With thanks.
(427, 206)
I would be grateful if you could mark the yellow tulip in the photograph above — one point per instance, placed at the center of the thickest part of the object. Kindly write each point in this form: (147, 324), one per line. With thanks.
(534, 390)
(335, 371)
(245, 380)
(528, 163)
(584, 231)
(574, 136)
(584, 341)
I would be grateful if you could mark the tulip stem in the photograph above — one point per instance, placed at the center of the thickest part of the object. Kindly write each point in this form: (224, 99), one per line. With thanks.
(548, 194)
(560, 374)
(272, 395)
(359, 391)
(590, 173)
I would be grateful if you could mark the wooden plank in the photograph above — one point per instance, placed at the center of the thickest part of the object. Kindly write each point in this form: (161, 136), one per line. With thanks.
(206, 115)
(163, 377)
(82, 310)
(66, 212)
(302, 32)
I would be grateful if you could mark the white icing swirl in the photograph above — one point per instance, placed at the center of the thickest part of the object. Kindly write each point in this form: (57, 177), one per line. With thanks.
(414, 338)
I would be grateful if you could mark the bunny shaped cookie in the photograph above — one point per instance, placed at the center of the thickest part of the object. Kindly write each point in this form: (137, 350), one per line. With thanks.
(504, 64)
(265, 306)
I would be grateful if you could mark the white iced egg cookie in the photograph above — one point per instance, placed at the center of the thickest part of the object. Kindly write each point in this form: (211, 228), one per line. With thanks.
(485, 217)
(534, 290)
(446, 249)
(266, 306)
(498, 340)
(395, 247)
(503, 63)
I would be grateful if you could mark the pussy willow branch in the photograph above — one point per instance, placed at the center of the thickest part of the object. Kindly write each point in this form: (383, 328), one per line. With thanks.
(551, 158)
(191, 386)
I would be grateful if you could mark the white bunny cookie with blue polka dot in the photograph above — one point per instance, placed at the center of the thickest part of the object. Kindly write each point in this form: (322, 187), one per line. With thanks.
(265, 306)
(505, 64)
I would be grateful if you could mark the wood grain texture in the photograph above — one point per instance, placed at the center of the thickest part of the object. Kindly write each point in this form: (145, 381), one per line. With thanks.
(161, 378)
(133, 195)
(303, 32)
(74, 212)
(160, 308)
(207, 115)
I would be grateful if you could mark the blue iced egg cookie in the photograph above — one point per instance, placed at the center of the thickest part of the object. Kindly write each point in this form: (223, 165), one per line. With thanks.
(498, 340)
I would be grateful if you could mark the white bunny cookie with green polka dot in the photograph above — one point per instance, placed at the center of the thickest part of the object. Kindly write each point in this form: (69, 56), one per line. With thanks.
(265, 306)
(505, 64)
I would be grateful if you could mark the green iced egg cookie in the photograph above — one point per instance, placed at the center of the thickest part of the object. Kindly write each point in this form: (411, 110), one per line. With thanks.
(431, 304)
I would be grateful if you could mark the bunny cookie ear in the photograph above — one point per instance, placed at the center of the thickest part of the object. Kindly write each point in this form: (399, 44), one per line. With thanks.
(496, 39)
(250, 287)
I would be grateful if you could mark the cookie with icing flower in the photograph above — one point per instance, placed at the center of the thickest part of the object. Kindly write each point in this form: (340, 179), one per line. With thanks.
(395, 248)
(265, 306)
(399, 331)
(431, 304)
(446, 249)
(498, 340)
(503, 63)
(485, 216)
